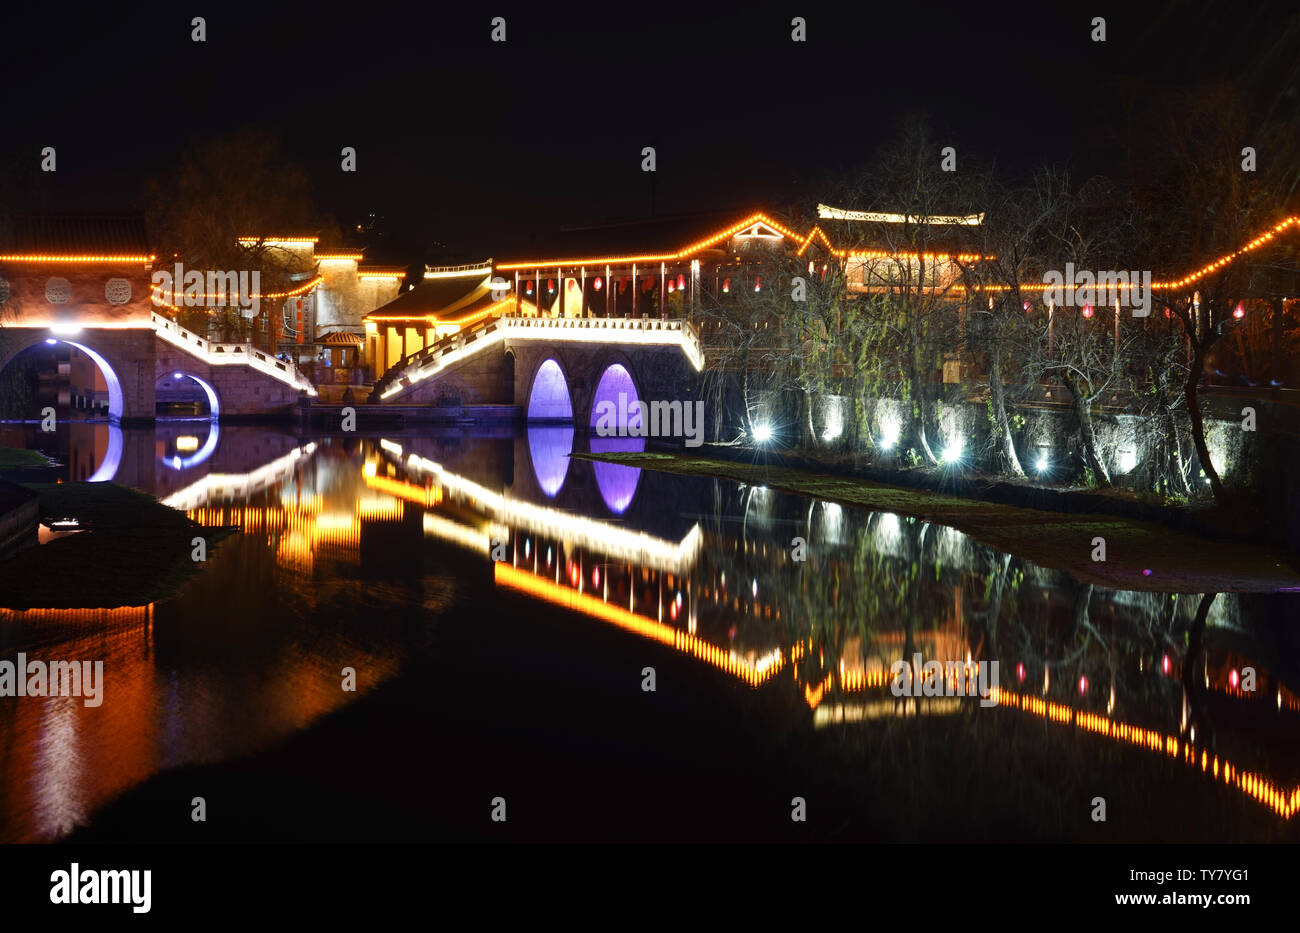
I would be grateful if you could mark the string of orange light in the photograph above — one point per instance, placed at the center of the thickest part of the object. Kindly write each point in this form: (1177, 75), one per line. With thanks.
(47, 257)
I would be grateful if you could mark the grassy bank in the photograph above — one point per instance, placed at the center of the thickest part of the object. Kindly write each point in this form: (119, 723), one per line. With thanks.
(1178, 562)
(18, 458)
(136, 550)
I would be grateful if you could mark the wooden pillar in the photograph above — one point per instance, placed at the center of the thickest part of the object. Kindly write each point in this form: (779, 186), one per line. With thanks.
(663, 289)
(609, 287)
(1279, 311)
(636, 287)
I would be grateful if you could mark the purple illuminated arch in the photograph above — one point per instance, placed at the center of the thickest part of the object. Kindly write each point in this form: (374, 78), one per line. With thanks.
(550, 446)
(614, 382)
(617, 483)
(549, 400)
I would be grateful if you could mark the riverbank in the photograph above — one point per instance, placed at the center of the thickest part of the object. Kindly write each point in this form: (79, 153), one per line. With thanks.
(1140, 555)
(19, 458)
(133, 550)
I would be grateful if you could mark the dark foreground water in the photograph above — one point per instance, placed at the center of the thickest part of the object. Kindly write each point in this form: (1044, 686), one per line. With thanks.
(505, 609)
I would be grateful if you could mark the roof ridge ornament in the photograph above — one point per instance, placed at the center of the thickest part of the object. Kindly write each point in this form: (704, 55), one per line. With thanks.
(826, 212)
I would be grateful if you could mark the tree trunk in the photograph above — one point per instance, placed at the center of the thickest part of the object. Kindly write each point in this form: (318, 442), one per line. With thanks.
(918, 397)
(1002, 423)
(1087, 432)
(1198, 423)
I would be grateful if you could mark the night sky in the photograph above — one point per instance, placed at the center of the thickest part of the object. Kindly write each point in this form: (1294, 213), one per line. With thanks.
(481, 146)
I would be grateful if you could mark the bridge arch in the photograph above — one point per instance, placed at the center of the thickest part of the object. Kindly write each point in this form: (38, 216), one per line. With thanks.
(209, 393)
(20, 340)
(549, 398)
(613, 401)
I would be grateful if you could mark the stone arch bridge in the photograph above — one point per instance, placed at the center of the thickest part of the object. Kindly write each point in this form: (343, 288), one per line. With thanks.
(153, 362)
(554, 369)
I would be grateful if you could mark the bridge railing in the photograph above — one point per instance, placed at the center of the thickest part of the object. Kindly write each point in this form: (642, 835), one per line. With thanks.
(219, 354)
(446, 350)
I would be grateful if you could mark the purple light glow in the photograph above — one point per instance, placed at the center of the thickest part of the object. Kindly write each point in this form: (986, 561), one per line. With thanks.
(549, 399)
(617, 483)
(615, 381)
(550, 446)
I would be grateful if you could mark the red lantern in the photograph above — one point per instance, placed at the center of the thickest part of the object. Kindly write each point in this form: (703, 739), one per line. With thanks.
(597, 284)
(726, 286)
(670, 286)
(528, 287)
(1087, 310)
(1026, 307)
(681, 282)
(1167, 314)
(550, 285)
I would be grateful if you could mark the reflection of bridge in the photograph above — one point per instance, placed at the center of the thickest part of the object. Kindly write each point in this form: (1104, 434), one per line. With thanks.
(562, 366)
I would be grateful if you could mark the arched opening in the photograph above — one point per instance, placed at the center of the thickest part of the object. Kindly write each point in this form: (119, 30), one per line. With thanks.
(549, 399)
(64, 375)
(180, 394)
(508, 379)
(83, 393)
(614, 412)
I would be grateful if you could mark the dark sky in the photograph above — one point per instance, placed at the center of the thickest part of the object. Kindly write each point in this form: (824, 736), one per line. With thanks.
(479, 145)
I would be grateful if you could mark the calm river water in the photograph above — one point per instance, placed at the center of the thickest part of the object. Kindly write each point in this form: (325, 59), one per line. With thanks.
(355, 548)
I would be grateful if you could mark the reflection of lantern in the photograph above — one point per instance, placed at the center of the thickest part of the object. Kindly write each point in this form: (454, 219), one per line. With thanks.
(597, 284)
(670, 286)
(726, 286)
(758, 283)
(1167, 312)
(1087, 310)
(681, 282)
(1026, 306)
(1083, 683)
(1240, 311)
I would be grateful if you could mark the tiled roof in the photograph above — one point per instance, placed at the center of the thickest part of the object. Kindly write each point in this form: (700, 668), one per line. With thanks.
(435, 298)
(666, 233)
(106, 234)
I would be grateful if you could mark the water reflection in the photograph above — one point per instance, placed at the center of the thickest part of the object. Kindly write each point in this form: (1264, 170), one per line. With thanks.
(352, 546)
(548, 447)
